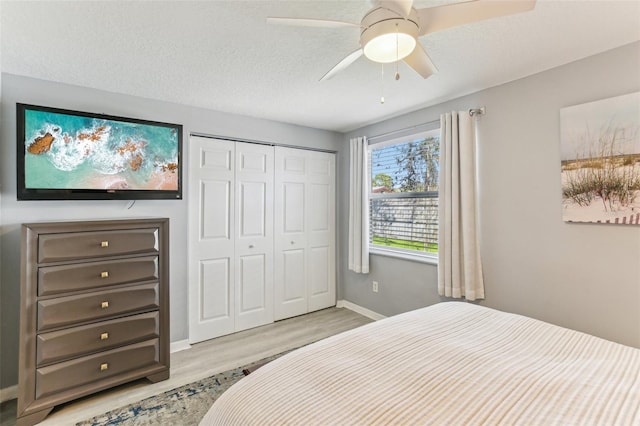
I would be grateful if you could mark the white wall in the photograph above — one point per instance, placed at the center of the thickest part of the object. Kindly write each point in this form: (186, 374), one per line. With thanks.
(13, 213)
(582, 276)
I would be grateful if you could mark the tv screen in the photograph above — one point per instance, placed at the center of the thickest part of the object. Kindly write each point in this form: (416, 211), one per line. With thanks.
(65, 154)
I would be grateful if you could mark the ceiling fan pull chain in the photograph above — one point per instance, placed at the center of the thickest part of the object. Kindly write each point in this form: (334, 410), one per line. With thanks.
(382, 84)
(397, 53)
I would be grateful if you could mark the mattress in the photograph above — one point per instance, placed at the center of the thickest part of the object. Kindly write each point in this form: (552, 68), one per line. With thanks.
(452, 363)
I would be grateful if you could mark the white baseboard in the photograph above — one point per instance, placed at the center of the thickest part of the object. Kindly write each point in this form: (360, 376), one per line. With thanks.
(180, 345)
(359, 309)
(9, 393)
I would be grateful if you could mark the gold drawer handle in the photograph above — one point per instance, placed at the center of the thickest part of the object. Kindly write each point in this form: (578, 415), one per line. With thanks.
(104, 274)
(104, 305)
(104, 367)
(104, 336)
(104, 244)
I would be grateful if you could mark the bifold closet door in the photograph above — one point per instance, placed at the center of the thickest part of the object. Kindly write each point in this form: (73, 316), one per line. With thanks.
(230, 237)
(211, 238)
(305, 231)
(254, 235)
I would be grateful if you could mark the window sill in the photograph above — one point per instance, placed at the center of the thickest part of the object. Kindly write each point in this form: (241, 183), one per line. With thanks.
(431, 260)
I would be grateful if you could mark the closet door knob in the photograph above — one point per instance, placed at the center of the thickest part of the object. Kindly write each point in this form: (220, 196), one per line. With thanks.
(293, 242)
(250, 245)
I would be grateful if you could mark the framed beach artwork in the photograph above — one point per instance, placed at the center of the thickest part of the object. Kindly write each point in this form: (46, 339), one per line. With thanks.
(600, 161)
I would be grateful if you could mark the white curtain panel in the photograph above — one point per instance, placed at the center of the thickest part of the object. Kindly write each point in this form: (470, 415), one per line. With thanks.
(359, 207)
(459, 264)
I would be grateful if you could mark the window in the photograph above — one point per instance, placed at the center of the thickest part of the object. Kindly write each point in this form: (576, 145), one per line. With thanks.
(403, 199)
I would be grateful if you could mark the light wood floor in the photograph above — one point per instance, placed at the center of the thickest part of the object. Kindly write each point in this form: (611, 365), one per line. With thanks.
(208, 358)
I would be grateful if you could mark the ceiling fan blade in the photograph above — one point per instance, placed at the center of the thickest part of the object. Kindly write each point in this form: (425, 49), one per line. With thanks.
(421, 62)
(348, 60)
(439, 18)
(310, 22)
(401, 7)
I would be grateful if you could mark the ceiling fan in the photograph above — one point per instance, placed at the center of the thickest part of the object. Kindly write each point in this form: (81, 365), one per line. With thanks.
(389, 31)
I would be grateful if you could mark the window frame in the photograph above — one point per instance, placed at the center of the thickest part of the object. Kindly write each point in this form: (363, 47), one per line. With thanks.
(396, 252)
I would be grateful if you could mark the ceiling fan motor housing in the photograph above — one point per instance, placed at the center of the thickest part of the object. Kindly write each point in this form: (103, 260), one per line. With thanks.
(380, 22)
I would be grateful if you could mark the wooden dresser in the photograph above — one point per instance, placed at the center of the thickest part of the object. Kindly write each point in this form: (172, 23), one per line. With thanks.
(94, 309)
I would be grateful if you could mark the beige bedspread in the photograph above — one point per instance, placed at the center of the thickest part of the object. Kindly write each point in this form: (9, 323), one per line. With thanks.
(449, 364)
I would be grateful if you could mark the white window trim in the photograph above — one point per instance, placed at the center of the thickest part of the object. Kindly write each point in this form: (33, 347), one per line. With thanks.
(412, 255)
(412, 136)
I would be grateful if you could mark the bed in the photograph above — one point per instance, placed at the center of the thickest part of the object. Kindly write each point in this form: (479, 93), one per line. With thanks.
(452, 363)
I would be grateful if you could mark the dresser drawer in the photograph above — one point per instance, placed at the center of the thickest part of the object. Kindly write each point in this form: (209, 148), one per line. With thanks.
(76, 341)
(86, 307)
(86, 245)
(83, 276)
(93, 368)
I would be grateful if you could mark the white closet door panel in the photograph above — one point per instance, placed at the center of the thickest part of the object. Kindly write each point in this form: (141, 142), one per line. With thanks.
(290, 267)
(319, 214)
(215, 217)
(252, 283)
(254, 235)
(293, 162)
(252, 304)
(321, 166)
(215, 281)
(295, 289)
(215, 158)
(321, 233)
(211, 232)
(252, 209)
(291, 283)
(293, 207)
(290, 277)
(254, 159)
(319, 272)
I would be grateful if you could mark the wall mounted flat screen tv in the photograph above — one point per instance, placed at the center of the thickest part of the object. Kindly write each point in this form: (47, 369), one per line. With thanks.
(65, 154)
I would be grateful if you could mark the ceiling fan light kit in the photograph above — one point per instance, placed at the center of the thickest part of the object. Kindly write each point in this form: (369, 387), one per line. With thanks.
(387, 37)
(389, 41)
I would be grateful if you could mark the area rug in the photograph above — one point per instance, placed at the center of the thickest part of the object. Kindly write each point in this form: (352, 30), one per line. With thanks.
(182, 406)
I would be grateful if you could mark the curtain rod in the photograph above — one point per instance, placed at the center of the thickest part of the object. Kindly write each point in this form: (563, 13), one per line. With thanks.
(472, 112)
(477, 111)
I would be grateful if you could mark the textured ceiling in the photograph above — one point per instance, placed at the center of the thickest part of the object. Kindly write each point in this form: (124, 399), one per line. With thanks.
(222, 55)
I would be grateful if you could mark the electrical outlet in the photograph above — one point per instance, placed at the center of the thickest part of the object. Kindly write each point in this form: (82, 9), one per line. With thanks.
(374, 286)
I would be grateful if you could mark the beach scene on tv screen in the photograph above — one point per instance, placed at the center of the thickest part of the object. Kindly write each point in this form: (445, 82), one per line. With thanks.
(75, 152)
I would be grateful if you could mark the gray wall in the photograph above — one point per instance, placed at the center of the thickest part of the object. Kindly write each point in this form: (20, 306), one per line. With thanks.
(582, 276)
(13, 213)
(586, 277)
